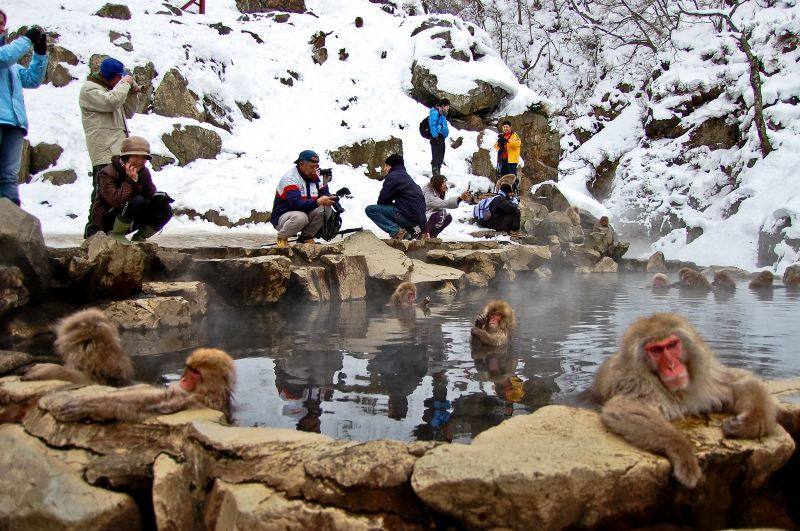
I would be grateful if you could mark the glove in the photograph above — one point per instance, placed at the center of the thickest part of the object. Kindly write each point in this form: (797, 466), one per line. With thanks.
(34, 34)
(40, 46)
(343, 192)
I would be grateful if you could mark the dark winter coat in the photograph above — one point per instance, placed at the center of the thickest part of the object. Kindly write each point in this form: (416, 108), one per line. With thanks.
(400, 190)
(295, 192)
(115, 188)
(501, 205)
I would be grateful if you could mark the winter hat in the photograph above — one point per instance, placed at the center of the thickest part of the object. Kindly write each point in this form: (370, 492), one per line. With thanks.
(110, 68)
(394, 160)
(5, 17)
(307, 155)
(136, 145)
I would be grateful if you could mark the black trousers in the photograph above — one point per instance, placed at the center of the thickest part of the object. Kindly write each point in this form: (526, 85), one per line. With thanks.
(504, 222)
(507, 168)
(437, 153)
(141, 211)
(90, 229)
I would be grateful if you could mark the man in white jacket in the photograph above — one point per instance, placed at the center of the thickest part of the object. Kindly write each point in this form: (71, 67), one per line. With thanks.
(107, 98)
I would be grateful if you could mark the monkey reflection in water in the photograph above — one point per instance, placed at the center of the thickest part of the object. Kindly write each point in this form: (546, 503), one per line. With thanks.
(663, 371)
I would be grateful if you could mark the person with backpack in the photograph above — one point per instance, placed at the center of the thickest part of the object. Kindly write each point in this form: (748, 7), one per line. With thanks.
(400, 211)
(435, 205)
(13, 119)
(437, 124)
(301, 202)
(500, 213)
(508, 147)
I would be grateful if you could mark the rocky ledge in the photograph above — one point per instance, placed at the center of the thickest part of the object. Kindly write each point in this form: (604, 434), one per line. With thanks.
(553, 469)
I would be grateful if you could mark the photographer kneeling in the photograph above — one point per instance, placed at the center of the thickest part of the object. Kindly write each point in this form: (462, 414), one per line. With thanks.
(127, 198)
(301, 203)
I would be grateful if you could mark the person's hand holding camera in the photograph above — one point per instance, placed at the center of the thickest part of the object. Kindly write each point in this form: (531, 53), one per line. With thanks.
(501, 140)
(128, 79)
(326, 200)
(34, 33)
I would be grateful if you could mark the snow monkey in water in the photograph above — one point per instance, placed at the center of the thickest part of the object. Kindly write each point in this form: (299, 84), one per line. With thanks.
(762, 280)
(691, 279)
(404, 295)
(89, 344)
(663, 371)
(494, 325)
(723, 282)
(660, 281)
(207, 381)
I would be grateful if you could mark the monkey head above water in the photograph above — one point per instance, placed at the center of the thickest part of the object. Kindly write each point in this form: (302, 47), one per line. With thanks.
(723, 282)
(664, 370)
(660, 281)
(404, 295)
(691, 279)
(89, 344)
(494, 325)
(207, 381)
(762, 280)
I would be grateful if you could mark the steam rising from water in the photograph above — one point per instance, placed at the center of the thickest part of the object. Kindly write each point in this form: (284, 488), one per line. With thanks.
(360, 370)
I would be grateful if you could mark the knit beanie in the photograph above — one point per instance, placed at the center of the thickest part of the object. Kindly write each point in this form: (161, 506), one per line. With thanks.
(394, 160)
(111, 68)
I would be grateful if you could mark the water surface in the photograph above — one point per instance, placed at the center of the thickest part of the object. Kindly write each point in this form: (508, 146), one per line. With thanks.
(360, 370)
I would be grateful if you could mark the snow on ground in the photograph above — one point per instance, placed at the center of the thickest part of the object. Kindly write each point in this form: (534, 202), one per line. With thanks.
(364, 91)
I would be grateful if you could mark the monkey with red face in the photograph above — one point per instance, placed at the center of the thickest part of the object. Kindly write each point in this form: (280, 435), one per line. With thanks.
(660, 281)
(404, 295)
(663, 371)
(494, 325)
(207, 381)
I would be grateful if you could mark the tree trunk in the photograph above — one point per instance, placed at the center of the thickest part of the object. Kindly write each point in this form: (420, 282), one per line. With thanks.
(755, 84)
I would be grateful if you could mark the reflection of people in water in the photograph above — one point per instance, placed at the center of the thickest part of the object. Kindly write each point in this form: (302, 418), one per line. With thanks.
(436, 417)
(304, 380)
(399, 369)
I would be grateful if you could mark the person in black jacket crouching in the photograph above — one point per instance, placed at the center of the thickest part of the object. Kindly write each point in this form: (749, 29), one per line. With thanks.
(505, 215)
(400, 211)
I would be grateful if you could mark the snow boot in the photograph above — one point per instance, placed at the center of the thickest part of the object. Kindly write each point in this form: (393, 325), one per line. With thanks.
(120, 229)
(144, 232)
(282, 243)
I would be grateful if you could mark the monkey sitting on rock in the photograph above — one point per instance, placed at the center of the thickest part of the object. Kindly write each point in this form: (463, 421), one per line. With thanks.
(207, 381)
(89, 344)
(663, 371)
(494, 325)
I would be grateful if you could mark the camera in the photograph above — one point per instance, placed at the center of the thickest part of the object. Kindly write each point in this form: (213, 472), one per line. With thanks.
(326, 172)
(341, 192)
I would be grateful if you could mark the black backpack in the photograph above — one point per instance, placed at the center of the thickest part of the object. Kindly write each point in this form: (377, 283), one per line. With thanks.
(425, 128)
(331, 226)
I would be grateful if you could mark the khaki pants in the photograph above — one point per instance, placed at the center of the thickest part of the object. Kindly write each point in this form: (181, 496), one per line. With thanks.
(307, 225)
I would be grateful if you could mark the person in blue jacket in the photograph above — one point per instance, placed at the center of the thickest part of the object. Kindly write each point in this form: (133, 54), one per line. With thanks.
(401, 204)
(13, 119)
(437, 120)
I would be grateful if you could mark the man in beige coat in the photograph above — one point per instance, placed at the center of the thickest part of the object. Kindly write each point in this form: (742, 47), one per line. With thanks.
(107, 98)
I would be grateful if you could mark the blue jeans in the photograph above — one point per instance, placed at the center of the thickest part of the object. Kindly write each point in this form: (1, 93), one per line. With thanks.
(388, 219)
(10, 159)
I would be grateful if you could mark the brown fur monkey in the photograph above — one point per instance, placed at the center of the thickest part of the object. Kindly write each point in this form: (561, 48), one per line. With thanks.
(494, 325)
(660, 281)
(723, 282)
(89, 344)
(404, 295)
(663, 371)
(207, 381)
(692, 279)
(762, 280)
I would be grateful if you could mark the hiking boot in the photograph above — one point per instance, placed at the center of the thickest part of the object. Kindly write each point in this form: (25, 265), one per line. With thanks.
(282, 243)
(306, 240)
(119, 230)
(144, 232)
(400, 234)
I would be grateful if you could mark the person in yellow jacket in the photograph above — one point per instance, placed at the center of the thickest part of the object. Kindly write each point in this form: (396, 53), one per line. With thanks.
(508, 147)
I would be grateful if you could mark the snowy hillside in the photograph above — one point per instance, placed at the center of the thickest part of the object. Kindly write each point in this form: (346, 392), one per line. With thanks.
(358, 94)
(664, 138)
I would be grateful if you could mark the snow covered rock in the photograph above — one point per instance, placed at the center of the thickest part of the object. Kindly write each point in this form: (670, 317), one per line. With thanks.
(116, 11)
(44, 155)
(369, 153)
(541, 146)
(172, 98)
(60, 177)
(265, 6)
(191, 142)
